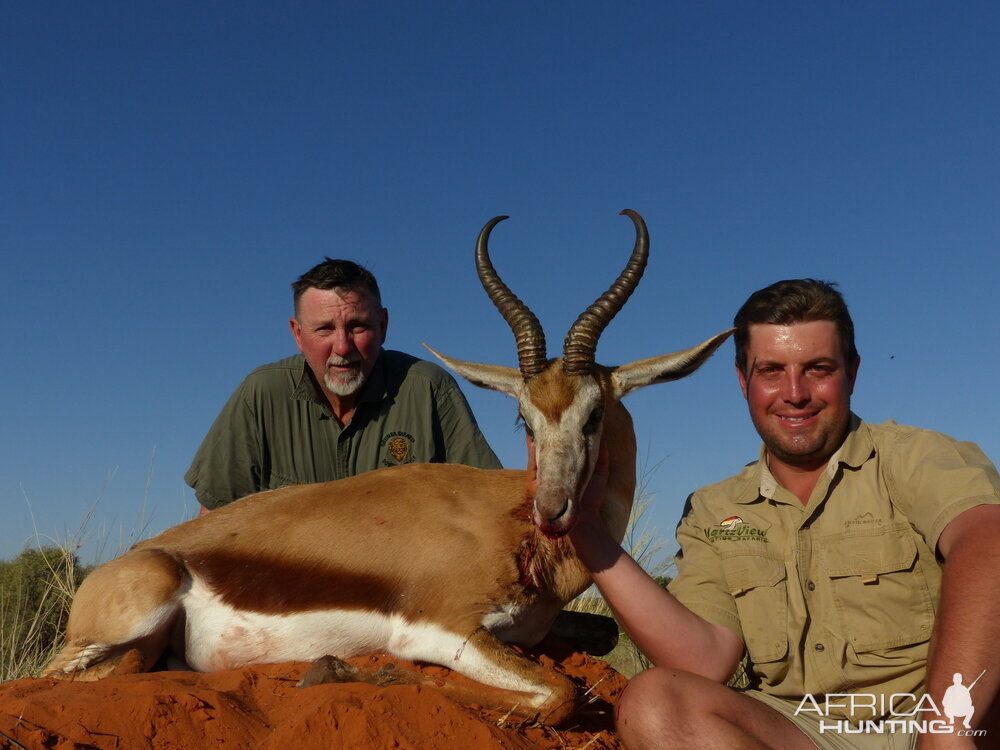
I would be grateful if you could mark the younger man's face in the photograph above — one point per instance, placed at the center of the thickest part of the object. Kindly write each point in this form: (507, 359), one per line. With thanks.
(798, 388)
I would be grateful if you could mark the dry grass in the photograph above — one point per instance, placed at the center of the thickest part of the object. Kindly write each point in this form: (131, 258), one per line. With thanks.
(38, 586)
(33, 613)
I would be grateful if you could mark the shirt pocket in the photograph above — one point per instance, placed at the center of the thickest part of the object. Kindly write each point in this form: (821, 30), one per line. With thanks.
(879, 589)
(758, 586)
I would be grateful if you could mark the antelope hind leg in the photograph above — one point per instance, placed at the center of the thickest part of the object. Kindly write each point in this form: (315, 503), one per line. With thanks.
(507, 681)
(121, 617)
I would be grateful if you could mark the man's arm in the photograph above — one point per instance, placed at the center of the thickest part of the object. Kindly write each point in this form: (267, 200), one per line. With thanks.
(661, 627)
(227, 466)
(967, 628)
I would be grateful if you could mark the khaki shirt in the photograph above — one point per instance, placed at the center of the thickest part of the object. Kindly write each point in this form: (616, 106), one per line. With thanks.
(838, 595)
(277, 429)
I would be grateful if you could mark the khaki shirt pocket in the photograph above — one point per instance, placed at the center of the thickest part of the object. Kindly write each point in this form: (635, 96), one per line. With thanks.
(758, 586)
(879, 589)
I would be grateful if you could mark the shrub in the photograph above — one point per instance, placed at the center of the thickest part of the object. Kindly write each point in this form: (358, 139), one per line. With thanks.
(36, 590)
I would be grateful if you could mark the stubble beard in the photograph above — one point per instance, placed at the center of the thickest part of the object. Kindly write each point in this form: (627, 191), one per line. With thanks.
(805, 450)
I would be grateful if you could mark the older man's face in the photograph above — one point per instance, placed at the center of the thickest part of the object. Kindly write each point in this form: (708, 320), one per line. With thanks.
(340, 332)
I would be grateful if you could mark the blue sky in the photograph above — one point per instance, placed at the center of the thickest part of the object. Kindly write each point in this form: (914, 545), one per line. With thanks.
(167, 169)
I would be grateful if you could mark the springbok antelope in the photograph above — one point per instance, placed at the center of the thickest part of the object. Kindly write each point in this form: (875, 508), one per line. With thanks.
(430, 562)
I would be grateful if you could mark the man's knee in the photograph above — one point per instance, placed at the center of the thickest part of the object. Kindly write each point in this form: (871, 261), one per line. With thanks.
(643, 690)
(658, 700)
(638, 712)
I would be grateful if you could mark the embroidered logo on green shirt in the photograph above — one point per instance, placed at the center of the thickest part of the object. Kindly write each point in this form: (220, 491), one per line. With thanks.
(398, 448)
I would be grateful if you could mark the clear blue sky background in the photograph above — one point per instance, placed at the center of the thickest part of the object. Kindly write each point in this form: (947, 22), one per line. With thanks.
(168, 168)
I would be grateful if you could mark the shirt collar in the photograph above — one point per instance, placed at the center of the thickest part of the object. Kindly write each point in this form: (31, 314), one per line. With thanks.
(374, 389)
(858, 447)
(308, 389)
(853, 452)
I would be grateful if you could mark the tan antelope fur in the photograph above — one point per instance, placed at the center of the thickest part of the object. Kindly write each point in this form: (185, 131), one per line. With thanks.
(430, 562)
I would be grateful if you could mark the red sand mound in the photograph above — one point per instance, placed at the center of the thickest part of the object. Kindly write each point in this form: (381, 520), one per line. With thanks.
(260, 707)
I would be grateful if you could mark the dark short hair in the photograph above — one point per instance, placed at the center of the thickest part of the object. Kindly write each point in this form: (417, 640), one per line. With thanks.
(794, 301)
(336, 274)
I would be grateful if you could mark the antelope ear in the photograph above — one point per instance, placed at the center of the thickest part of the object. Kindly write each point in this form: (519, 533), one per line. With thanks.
(635, 375)
(495, 377)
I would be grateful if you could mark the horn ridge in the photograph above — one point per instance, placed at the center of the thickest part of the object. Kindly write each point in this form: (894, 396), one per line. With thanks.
(527, 330)
(580, 346)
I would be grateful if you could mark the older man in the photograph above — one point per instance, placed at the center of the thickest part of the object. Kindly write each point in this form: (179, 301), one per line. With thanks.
(342, 407)
(853, 563)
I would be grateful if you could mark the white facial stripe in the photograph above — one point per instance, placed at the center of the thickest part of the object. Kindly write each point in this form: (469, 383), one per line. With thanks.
(571, 420)
(562, 447)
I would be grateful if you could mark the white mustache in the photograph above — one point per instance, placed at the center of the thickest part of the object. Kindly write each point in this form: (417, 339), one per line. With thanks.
(343, 361)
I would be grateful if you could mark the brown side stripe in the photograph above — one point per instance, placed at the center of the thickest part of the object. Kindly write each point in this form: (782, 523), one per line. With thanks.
(272, 586)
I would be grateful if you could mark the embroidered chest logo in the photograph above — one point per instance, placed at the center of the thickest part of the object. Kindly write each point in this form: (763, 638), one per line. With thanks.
(864, 518)
(735, 529)
(397, 448)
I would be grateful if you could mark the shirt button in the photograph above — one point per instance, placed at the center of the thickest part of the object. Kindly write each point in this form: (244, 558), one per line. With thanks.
(811, 586)
(819, 647)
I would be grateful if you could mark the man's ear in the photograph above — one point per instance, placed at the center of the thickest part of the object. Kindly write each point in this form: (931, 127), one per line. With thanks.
(852, 372)
(385, 323)
(743, 380)
(296, 329)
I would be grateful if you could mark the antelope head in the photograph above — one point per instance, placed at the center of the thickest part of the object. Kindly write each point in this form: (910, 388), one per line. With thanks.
(568, 403)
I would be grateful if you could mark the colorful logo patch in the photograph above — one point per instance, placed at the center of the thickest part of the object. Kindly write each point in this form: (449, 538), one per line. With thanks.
(735, 529)
(397, 449)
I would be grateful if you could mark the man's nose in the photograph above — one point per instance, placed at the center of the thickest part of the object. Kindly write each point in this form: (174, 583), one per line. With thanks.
(342, 343)
(796, 388)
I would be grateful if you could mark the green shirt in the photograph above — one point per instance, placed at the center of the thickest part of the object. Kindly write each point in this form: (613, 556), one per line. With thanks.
(837, 595)
(278, 429)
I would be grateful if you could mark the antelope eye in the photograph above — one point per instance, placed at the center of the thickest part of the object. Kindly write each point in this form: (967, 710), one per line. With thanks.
(527, 428)
(594, 421)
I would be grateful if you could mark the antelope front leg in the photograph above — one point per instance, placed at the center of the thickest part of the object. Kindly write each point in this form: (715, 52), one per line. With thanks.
(510, 682)
(507, 681)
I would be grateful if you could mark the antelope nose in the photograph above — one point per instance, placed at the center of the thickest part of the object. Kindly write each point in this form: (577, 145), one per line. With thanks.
(563, 510)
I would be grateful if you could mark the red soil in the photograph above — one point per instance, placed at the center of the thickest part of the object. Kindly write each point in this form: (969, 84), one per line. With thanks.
(260, 707)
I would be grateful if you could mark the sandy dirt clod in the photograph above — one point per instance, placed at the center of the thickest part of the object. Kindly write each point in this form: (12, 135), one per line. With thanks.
(260, 707)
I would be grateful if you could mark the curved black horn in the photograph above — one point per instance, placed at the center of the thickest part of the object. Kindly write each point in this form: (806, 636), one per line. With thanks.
(527, 330)
(581, 341)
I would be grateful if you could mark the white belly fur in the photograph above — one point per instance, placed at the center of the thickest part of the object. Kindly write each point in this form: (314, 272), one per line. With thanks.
(217, 636)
